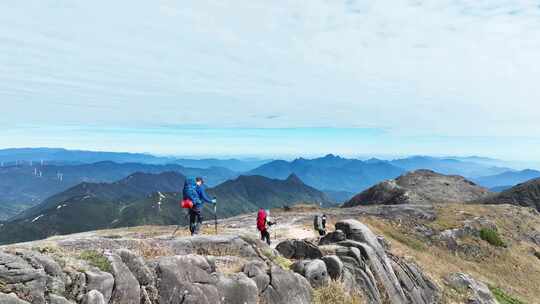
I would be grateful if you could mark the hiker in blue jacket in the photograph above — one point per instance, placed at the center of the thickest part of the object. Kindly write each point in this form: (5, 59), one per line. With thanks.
(195, 190)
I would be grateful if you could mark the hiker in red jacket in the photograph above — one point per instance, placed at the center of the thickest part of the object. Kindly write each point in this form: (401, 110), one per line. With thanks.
(263, 223)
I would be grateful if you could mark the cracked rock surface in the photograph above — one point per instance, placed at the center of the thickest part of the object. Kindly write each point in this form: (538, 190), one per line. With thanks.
(119, 272)
(207, 269)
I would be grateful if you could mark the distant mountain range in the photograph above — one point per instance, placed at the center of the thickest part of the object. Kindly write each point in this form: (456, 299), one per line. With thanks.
(85, 206)
(24, 186)
(64, 156)
(331, 172)
(148, 199)
(25, 182)
(124, 191)
(525, 194)
(236, 165)
(57, 155)
(507, 179)
(464, 167)
(499, 188)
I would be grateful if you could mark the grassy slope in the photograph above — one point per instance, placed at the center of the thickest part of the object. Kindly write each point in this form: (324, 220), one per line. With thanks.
(514, 269)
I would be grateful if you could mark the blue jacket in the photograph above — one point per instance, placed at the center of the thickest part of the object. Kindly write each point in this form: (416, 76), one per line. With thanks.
(196, 193)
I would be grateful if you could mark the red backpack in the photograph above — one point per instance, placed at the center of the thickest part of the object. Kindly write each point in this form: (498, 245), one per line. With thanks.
(261, 220)
(186, 203)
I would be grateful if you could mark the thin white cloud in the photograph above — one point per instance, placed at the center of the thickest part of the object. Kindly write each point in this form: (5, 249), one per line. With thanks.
(454, 68)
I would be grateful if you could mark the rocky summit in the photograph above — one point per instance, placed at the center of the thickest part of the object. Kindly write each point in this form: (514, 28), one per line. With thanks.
(209, 269)
(204, 269)
(371, 254)
(420, 187)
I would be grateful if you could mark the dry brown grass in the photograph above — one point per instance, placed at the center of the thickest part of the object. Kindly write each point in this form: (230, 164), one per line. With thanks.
(147, 232)
(152, 251)
(139, 232)
(279, 260)
(513, 269)
(335, 293)
(301, 207)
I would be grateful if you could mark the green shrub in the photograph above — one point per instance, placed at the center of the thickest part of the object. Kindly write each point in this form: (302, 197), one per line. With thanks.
(283, 262)
(491, 236)
(537, 254)
(268, 253)
(503, 297)
(96, 259)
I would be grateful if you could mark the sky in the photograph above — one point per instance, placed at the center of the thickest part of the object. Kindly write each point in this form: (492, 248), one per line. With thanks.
(272, 78)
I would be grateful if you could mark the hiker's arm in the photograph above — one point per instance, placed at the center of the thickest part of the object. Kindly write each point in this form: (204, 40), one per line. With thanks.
(202, 193)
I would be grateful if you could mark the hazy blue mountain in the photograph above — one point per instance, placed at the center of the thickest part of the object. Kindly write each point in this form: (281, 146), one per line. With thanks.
(339, 196)
(493, 162)
(238, 165)
(516, 165)
(499, 188)
(125, 190)
(452, 166)
(135, 200)
(76, 156)
(86, 206)
(332, 173)
(20, 187)
(509, 178)
(64, 156)
(526, 194)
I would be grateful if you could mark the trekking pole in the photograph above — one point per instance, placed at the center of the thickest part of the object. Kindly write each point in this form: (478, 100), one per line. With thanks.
(215, 216)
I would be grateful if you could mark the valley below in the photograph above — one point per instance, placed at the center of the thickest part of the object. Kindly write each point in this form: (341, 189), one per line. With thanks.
(417, 230)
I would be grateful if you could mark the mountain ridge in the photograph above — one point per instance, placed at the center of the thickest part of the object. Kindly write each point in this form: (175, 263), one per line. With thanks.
(526, 194)
(330, 172)
(508, 178)
(91, 206)
(29, 185)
